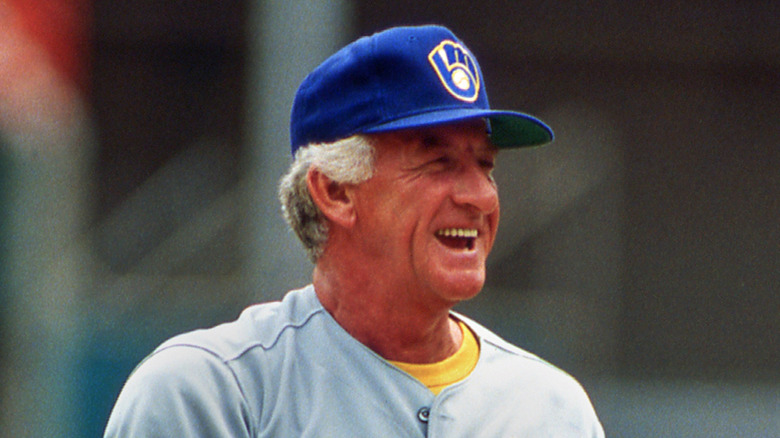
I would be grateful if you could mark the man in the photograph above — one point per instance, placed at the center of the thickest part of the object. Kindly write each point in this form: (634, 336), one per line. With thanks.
(391, 194)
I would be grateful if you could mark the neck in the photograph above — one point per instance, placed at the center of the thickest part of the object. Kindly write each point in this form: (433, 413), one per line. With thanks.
(382, 316)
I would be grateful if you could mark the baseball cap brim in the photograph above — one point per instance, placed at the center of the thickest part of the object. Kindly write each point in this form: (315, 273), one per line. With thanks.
(507, 129)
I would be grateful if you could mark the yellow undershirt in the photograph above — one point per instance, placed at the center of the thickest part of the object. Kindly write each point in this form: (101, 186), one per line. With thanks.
(439, 375)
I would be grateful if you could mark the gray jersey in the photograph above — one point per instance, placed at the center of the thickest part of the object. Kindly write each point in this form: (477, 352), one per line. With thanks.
(287, 369)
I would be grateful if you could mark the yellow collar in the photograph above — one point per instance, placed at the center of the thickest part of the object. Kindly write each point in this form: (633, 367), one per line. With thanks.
(437, 376)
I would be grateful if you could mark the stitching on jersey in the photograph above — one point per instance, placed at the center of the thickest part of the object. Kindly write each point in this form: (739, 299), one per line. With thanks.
(279, 334)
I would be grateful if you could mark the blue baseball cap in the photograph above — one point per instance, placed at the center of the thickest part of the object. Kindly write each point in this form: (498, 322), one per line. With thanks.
(403, 77)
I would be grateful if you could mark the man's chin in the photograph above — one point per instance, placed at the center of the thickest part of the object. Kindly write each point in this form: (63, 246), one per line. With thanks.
(457, 288)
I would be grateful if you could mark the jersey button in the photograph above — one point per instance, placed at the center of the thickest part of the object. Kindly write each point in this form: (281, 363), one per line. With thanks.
(423, 414)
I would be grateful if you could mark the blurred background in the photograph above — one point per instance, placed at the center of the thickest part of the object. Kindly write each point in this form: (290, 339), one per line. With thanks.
(141, 143)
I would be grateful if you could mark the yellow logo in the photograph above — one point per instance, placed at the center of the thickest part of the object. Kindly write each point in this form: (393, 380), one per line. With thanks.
(456, 69)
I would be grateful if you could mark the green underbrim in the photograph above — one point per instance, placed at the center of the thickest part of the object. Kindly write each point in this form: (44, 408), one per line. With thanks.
(510, 131)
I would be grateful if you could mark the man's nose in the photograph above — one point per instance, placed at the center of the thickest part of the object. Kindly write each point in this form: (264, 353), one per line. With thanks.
(476, 188)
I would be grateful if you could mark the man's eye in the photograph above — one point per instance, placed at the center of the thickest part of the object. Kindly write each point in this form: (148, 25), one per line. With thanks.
(441, 161)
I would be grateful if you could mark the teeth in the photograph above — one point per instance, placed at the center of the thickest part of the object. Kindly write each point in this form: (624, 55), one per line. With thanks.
(458, 232)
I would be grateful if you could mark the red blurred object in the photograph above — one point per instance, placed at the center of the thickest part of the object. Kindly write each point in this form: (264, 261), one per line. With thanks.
(62, 29)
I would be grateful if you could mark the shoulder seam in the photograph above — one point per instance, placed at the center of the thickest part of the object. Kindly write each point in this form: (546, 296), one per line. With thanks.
(221, 360)
(280, 332)
(487, 336)
(246, 348)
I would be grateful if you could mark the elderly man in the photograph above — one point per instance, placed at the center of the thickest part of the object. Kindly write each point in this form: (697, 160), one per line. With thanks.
(392, 195)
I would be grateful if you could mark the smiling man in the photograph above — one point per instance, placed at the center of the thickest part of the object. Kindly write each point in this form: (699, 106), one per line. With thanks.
(391, 193)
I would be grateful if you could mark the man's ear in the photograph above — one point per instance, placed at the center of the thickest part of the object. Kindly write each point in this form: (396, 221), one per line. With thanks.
(333, 199)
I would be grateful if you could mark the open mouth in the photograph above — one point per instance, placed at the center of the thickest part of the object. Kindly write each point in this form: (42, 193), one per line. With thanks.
(458, 238)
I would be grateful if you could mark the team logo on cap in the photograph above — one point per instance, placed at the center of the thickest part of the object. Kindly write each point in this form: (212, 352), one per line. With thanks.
(457, 70)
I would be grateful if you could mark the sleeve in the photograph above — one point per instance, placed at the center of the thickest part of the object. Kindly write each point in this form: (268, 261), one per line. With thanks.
(583, 412)
(180, 391)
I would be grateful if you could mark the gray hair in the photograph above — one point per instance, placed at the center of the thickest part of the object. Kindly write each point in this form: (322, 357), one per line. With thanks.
(346, 161)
